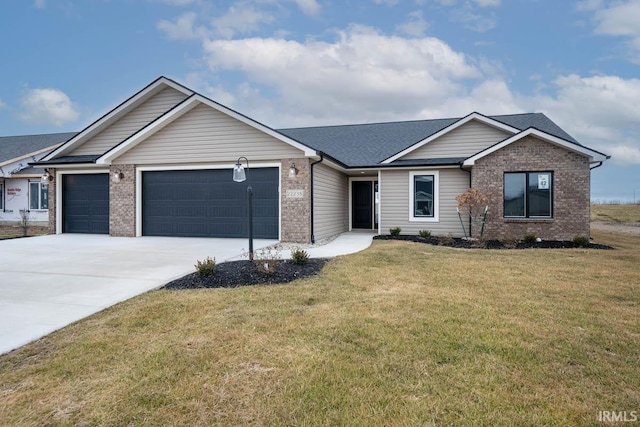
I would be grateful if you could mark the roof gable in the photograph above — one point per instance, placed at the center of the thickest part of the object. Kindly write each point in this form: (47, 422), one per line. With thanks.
(117, 113)
(593, 155)
(181, 109)
(473, 116)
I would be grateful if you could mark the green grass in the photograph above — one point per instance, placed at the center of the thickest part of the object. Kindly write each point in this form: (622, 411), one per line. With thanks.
(400, 334)
(615, 213)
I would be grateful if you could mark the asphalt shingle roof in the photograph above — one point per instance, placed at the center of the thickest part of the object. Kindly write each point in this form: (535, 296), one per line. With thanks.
(369, 144)
(12, 147)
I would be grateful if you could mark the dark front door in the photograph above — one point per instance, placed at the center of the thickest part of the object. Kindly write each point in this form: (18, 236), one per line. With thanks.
(85, 203)
(207, 203)
(362, 204)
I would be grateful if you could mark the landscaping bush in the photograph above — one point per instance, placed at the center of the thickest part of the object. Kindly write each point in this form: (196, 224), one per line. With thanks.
(425, 234)
(581, 241)
(395, 231)
(206, 268)
(531, 238)
(299, 256)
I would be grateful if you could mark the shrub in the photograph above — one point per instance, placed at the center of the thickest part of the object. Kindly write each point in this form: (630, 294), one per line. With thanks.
(471, 205)
(447, 240)
(395, 231)
(581, 241)
(531, 238)
(206, 268)
(425, 234)
(299, 256)
(267, 259)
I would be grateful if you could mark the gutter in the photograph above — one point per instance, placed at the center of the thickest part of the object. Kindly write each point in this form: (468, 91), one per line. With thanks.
(313, 237)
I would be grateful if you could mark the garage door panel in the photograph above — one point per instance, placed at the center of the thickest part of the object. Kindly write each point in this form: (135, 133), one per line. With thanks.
(85, 203)
(207, 203)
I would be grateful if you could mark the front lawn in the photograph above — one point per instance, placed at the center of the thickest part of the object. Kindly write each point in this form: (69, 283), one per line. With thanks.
(400, 334)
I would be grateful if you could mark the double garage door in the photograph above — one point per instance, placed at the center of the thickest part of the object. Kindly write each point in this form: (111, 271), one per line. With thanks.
(185, 203)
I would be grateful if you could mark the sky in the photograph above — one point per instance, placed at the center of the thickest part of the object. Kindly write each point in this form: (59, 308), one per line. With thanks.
(292, 63)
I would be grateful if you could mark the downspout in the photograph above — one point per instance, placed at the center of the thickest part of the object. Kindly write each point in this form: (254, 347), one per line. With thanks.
(469, 172)
(596, 166)
(313, 237)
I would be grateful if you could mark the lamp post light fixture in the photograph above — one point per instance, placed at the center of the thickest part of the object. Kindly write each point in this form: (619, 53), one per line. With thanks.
(239, 175)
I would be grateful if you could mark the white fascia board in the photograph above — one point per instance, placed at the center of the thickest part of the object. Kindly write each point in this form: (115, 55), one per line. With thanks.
(135, 139)
(473, 116)
(593, 156)
(309, 152)
(116, 113)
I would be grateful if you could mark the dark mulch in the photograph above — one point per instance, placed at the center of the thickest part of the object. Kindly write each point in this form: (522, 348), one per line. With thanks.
(455, 242)
(245, 273)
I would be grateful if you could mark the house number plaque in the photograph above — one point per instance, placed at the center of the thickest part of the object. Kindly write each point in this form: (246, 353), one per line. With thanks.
(295, 194)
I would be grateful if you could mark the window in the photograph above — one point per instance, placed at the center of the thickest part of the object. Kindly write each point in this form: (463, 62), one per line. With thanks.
(528, 194)
(423, 195)
(38, 196)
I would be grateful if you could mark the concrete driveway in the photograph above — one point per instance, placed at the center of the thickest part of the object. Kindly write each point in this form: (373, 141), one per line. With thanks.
(48, 282)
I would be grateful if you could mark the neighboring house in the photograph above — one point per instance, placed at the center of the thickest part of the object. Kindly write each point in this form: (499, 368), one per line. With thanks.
(160, 164)
(20, 188)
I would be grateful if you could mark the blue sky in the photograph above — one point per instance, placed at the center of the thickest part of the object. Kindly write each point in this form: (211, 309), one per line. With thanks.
(291, 63)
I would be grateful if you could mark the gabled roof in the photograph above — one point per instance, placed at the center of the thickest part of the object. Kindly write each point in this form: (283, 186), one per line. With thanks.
(121, 110)
(594, 156)
(182, 108)
(14, 148)
(369, 145)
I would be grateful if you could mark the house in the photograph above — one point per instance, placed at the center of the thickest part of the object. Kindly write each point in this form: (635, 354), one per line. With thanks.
(20, 189)
(160, 164)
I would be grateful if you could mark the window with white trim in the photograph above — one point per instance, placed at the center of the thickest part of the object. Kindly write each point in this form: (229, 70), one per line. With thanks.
(38, 196)
(423, 196)
(528, 194)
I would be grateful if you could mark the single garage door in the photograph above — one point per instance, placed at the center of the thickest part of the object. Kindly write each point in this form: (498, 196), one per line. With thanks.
(207, 203)
(85, 203)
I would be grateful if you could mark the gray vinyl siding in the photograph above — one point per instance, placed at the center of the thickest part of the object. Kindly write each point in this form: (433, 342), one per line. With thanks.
(132, 122)
(464, 141)
(330, 202)
(205, 134)
(395, 209)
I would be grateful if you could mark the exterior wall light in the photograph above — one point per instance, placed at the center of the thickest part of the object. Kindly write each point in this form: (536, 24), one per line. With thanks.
(46, 178)
(292, 170)
(118, 176)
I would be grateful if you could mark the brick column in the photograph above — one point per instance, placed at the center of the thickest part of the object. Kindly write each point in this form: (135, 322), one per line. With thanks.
(295, 199)
(122, 202)
(52, 202)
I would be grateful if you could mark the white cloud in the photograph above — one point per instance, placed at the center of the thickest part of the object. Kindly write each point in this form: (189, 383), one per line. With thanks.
(183, 28)
(599, 111)
(487, 3)
(415, 26)
(618, 19)
(387, 2)
(473, 20)
(178, 2)
(39, 4)
(589, 5)
(309, 7)
(2, 104)
(47, 106)
(242, 19)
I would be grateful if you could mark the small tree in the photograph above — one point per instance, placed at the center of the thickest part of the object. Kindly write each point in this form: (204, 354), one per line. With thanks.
(473, 205)
(24, 221)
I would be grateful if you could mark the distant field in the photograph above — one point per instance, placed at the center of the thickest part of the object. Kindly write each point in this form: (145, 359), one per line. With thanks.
(615, 213)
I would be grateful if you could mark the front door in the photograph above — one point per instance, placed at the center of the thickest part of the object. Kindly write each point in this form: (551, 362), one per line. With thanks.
(362, 204)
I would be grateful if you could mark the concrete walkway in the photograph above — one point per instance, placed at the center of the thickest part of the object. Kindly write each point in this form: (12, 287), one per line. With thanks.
(48, 282)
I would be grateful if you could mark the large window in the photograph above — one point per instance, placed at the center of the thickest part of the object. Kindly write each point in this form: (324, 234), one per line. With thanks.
(424, 196)
(528, 194)
(38, 196)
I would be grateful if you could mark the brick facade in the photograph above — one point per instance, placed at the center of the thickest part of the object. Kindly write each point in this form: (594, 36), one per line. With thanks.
(122, 202)
(296, 211)
(571, 189)
(53, 202)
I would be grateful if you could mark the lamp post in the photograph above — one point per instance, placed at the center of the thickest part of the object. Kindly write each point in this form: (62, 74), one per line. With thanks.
(239, 175)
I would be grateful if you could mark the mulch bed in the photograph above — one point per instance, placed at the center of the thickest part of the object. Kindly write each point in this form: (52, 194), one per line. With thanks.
(454, 242)
(245, 273)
